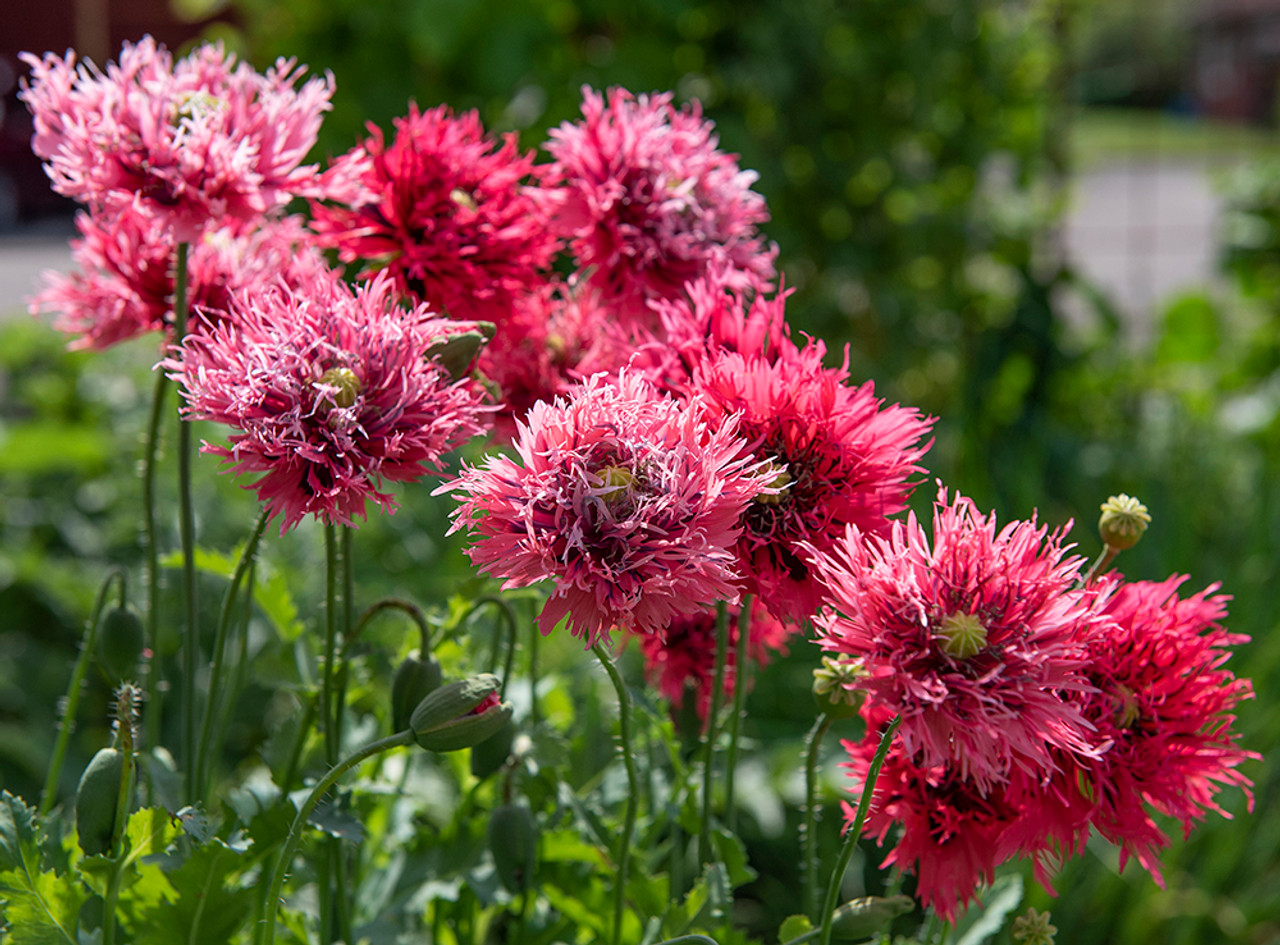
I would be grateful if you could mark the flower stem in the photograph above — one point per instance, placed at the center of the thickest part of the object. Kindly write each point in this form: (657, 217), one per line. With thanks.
(187, 533)
(204, 766)
(295, 831)
(808, 834)
(855, 831)
(392, 603)
(740, 678)
(67, 720)
(330, 644)
(1100, 564)
(709, 745)
(152, 556)
(633, 789)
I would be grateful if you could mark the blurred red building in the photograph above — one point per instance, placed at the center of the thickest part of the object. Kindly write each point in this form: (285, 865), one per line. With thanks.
(1236, 72)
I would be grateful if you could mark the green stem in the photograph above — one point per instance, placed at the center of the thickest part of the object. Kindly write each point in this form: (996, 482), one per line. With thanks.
(709, 744)
(187, 533)
(808, 834)
(330, 648)
(204, 766)
(295, 831)
(109, 903)
(741, 676)
(855, 831)
(67, 721)
(535, 633)
(393, 603)
(152, 557)
(633, 789)
(1100, 564)
(935, 926)
(295, 756)
(344, 629)
(240, 661)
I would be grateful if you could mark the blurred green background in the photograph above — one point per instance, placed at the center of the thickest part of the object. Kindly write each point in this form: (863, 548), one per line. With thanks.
(917, 156)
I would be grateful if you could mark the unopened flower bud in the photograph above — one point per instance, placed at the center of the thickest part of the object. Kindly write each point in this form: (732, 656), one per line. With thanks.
(96, 801)
(491, 754)
(513, 841)
(834, 687)
(415, 679)
(460, 714)
(456, 353)
(120, 642)
(1123, 521)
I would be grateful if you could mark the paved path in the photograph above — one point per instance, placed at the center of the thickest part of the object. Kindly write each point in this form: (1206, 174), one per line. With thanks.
(23, 257)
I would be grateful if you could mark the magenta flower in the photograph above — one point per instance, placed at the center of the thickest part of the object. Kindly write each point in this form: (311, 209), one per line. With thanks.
(628, 501)
(681, 660)
(125, 281)
(1164, 703)
(446, 212)
(977, 640)
(188, 142)
(839, 458)
(649, 202)
(331, 391)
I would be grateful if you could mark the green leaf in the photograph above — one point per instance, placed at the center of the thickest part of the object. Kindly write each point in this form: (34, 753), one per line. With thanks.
(978, 925)
(731, 852)
(41, 908)
(207, 906)
(150, 832)
(270, 589)
(19, 848)
(793, 927)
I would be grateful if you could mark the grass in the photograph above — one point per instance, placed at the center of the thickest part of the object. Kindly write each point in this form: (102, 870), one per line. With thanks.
(1102, 135)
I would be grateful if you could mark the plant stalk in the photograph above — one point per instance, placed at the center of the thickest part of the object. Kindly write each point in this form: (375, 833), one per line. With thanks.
(709, 744)
(808, 834)
(633, 790)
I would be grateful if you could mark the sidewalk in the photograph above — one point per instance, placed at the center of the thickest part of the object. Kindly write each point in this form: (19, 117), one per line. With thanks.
(24, 255)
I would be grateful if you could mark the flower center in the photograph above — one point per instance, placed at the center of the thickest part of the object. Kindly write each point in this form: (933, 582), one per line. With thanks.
(781, 481)
(196, 104)
(616, 482)
(1128, 711)
(963, 635)
(462, 198)
(343, 386)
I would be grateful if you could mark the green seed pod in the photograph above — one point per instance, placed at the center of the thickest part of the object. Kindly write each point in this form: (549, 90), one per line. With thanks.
(120, 642)
(96, 801)
(491, 754)
(1123, 521)
(460, 714)
(835, 687)
(513, 841)
(415, 679)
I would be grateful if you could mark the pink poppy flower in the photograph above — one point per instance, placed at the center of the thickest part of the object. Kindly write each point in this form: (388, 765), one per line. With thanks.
(331, 392)
(124, 283)
(188, 142)
(649, 203)
(446, 211)
(628, 501)
(977, 639)
(682, 659)
(840, 457)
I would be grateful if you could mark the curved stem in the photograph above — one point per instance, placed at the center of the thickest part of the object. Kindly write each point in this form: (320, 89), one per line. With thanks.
(808, 834)
(151, 554)
(187, 532)
(855, 831)
(295, 831)
(709, 745)
(1100, 564)
(633, 789)
(204, 766)
(741, 676)
(67, 721)
(393, 603)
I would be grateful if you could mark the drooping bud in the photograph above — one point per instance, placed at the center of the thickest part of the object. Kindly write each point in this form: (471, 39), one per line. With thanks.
(460, 714)
(834, 685)
(1033, 928)
(456, 353)
(491, 754)
(96, 801)
(344, 384)
(1123, 521)
(415, 679)
(963, 635)
(513, 841)
(120, 641)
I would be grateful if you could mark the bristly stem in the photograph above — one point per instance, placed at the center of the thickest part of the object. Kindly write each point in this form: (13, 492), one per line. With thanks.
(67, 718)
(741, 676)
(633, 789)
(151, 554)
(855, 831)
(187, 533)
(808, 833)
(295, 831)
(709, 736)
(204, 766)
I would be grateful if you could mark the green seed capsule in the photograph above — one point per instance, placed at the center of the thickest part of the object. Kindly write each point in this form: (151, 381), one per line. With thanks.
(120, 642)
(415, 679)
(513, 841)
(96, 801)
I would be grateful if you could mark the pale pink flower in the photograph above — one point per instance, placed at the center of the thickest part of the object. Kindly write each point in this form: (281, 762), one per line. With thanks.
(331, 392)
(447, 212)
(650, 203)
(839, 456)
(188, 142)
(123, 286)
(628, 501)
(977, 639)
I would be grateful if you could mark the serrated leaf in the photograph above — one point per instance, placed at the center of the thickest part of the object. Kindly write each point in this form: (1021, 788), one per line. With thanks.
(19, 847)
(149, 832)
(1004, 896)
(41, 908)
(731, 852)
(336, 822)
(793, 926)
(206, 907)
